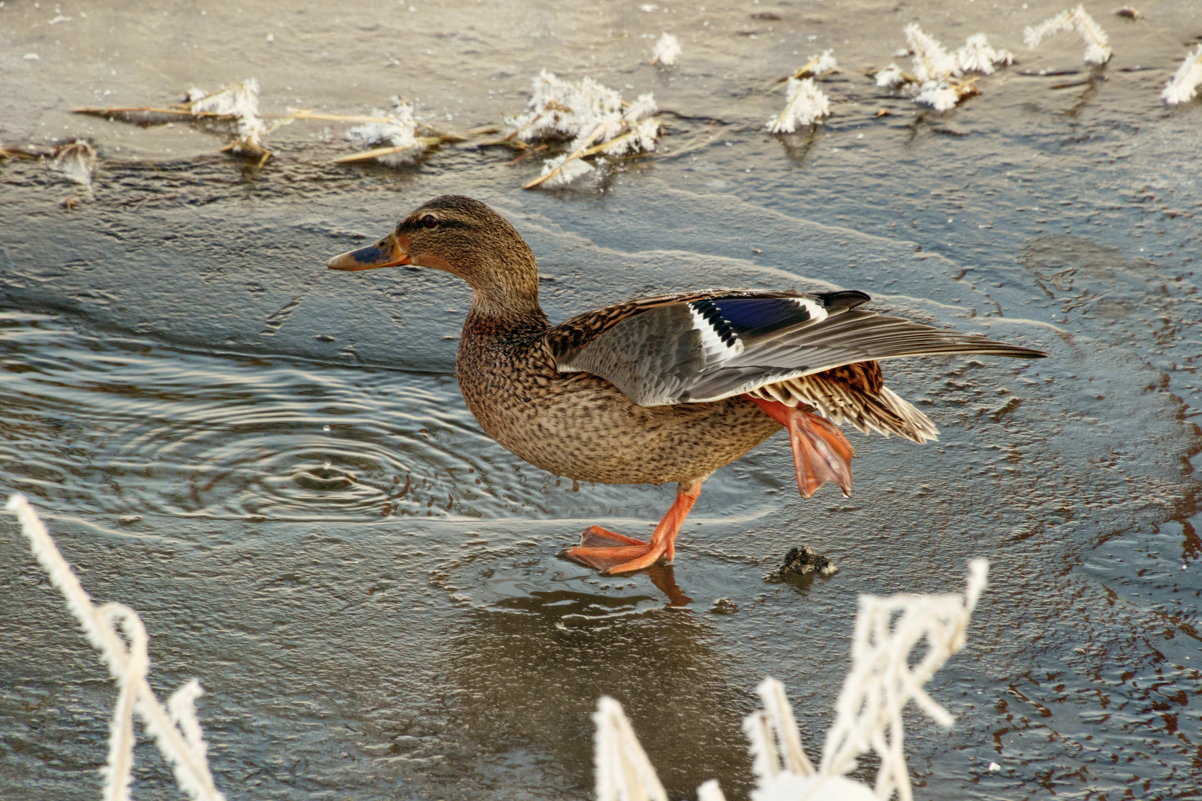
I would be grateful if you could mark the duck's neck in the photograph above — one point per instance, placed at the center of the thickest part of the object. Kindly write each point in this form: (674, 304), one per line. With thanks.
(510, 319)
(506, 295)
(510, 305)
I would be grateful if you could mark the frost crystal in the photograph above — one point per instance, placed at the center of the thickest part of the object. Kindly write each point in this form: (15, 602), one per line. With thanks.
(77, 161)
(824, 62)
(1184, 85)
(931, 61)
(938, 75)
(240, 102)
(400, 131)
(590, 116)
(885, 677)
(1097, 44)
(938, 95)
(562, 172)
(666, 51)
(561, 109)
(806, 105)
(890, 77)
(642, 108)
(978, 55)
(641, 137)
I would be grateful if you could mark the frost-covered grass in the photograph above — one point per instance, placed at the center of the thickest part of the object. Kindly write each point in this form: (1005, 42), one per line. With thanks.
(1183, 87)
(397, 134)
(667, 49)
(240, 103)
(76, 161)
(593, 120)
(881, 683)
(119, 635)
(1097, 43)
(394, 137)
(805, 103)
(938, 77)
(581, 128)
(977, 55)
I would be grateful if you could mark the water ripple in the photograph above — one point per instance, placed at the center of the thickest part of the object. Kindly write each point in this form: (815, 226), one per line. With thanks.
(132, 428)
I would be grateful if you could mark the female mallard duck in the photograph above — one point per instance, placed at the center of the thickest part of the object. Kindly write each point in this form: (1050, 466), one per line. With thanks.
(665, 388)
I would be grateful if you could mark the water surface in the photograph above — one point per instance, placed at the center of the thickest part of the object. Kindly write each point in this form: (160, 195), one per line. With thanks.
(272, 464)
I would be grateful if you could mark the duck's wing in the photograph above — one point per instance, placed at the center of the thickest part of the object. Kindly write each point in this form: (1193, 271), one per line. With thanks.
(711, 345)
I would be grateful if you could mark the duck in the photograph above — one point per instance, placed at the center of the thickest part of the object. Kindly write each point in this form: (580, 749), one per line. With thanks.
(667, 388)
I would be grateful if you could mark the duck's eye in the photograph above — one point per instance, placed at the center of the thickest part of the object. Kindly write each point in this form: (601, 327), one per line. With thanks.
(428, 221)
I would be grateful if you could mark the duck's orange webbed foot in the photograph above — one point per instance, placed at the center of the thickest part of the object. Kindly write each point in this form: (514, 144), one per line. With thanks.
(614, 553)
(612, 559)
(820, 451)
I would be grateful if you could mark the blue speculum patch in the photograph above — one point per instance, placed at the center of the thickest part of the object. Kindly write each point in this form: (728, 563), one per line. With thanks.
(761, 315)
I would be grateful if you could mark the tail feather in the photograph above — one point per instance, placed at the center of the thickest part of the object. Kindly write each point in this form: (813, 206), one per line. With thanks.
(883, 412)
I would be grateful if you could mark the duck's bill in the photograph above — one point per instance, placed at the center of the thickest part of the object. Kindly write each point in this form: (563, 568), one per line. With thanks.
(387, 252)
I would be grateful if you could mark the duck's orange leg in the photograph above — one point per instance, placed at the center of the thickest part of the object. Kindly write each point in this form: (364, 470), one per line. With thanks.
(613, 553)
(820, 451)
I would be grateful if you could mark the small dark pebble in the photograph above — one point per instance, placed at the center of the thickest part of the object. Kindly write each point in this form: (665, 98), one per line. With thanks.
(804, 561)
(724, 606)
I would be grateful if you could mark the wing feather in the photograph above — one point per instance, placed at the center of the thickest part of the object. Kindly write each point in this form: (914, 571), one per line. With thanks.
(677, 349)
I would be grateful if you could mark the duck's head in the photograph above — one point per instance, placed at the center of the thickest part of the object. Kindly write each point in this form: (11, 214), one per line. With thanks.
(461, 236)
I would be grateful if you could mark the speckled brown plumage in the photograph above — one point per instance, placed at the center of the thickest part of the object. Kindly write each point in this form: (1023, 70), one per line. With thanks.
(580, 426)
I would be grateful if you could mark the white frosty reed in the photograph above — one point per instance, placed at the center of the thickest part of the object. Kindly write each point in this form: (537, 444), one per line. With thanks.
(938, 95)
(593, 118)
(240, 102)
(666, 51)
(977, 55)
(564, 109)
(1184, 85)
(868, 711)
(559, 171)
(932, 62)
(805, 104)
(890, 77)
(623, 772)
(77, 161)
(398, 132)
(1097, 43)
(823, 62)
(938, 79)
(882, 682)
(118, 634)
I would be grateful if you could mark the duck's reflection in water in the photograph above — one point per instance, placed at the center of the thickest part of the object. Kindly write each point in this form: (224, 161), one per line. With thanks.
(664, 579)
(526, 680)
